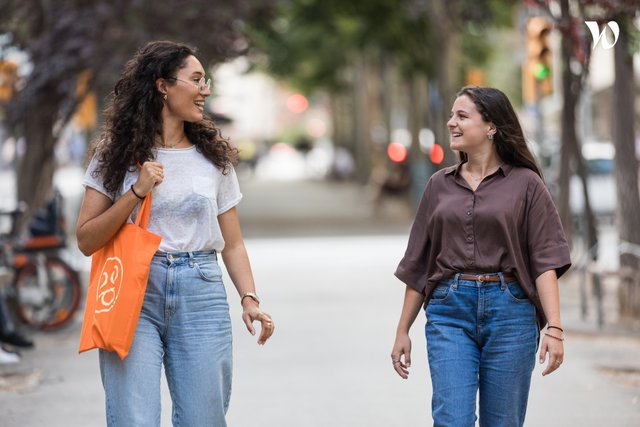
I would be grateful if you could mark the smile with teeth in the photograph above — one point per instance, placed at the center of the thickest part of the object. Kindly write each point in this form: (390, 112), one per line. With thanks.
(456, 134)
(200, 104)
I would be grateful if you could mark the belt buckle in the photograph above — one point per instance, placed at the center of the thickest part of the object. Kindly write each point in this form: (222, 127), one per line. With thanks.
(481, 279)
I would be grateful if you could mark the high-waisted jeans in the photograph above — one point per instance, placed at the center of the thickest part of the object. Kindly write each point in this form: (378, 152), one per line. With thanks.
(185, 326)
(480, 336)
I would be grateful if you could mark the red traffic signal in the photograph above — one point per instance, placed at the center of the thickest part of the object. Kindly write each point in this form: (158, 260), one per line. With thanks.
(397, 152)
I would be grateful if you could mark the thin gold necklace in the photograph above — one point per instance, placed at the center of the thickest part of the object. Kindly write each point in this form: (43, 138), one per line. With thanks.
(475, 178)
(173, 145)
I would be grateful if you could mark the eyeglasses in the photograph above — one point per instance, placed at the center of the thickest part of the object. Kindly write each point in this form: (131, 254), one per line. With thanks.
(202, 84)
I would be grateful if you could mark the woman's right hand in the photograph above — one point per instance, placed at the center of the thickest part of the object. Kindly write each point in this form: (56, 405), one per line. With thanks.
(151, 174)
(401, 355)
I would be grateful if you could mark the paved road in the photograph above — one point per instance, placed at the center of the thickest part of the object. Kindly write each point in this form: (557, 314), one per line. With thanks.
(335, 303)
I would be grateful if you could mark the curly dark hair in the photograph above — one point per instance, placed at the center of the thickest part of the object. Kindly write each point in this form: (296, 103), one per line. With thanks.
(133, 118)
(511, 145)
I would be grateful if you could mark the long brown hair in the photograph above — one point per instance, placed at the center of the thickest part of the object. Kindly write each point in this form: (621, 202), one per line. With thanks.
(133, 119)
(509, 140)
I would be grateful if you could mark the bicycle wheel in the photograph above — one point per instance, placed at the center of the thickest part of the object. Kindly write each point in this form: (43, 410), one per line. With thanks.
(47, 299)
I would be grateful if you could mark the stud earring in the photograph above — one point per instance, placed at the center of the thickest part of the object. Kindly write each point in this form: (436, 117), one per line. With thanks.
(490, 136)
(164, 96)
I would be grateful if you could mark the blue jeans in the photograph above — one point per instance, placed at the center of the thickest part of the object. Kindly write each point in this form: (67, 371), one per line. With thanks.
(185, 325)
(480, 336)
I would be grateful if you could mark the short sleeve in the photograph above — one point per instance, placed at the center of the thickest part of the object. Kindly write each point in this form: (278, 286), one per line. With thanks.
(93, 180)
(547, 246)
(413, 268)
(229, 194)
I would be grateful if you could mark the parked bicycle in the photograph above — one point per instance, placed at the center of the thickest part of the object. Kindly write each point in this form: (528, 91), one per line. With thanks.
(44, 289)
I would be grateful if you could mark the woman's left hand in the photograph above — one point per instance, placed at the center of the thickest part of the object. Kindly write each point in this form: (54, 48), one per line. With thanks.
(250, 313)
(555, 348)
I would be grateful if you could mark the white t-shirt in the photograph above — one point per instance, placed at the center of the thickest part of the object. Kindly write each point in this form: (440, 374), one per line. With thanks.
(186, 205)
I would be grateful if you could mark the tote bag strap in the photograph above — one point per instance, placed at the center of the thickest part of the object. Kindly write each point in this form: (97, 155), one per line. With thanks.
(142, 219)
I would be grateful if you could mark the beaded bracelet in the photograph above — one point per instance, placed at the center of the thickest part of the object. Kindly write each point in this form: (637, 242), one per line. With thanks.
(136, 194)
(555, 338)
(555, 327)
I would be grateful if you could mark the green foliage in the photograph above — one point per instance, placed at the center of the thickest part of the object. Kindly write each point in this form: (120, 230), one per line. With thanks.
(502, 69)
(66, 37)
(313, 43)
(633, 30)
(477, 45)
(287, 39)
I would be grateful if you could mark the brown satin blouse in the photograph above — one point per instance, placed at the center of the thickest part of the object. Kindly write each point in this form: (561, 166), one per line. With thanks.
(508, 224)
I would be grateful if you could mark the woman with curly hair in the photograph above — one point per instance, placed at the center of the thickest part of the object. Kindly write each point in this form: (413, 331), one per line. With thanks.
(158, 139)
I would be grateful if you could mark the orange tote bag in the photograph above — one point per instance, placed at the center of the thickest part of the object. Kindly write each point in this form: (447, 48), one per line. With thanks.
(118, 281)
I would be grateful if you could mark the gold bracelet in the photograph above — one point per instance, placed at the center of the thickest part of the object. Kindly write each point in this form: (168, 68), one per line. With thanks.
(555, 338)
(250, 295)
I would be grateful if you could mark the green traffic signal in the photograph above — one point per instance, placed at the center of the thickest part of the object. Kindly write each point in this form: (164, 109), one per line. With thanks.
(541, 71)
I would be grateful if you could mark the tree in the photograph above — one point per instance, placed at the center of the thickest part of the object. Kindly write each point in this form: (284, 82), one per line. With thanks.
(370, 54)
(573, 78)
(626, 169)
(66, 38)
(344, 49)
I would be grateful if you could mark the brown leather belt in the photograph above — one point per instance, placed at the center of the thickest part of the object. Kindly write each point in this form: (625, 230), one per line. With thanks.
(485, 277)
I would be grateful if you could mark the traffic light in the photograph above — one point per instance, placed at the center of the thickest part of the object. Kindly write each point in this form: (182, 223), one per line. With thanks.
(475, 77)
(537, 78)
(85, 115)
(8, 78)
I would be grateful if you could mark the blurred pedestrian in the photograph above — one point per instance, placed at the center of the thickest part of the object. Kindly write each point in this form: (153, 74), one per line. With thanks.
(484, 256)
(8, 331)
(157, 121)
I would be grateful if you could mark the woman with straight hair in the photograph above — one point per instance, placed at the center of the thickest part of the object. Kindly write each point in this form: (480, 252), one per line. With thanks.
(484, 256)
(158, 139)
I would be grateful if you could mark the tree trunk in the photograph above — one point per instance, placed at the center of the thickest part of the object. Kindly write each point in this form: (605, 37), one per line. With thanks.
(341, 111)
(415, 157)
(571, 89)
(420, 165)
(386, 94)
(449, 86)
(448, 62)
(361, 134)
(380, 98)
(571, 92)
(564, 176)
(35, 169)
(564, 210)
(336, 126)
(626, 171)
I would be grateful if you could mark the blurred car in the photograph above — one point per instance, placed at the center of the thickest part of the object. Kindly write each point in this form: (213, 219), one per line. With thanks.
(601, 182)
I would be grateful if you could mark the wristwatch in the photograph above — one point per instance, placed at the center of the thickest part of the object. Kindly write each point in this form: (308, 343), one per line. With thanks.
(250, 295)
